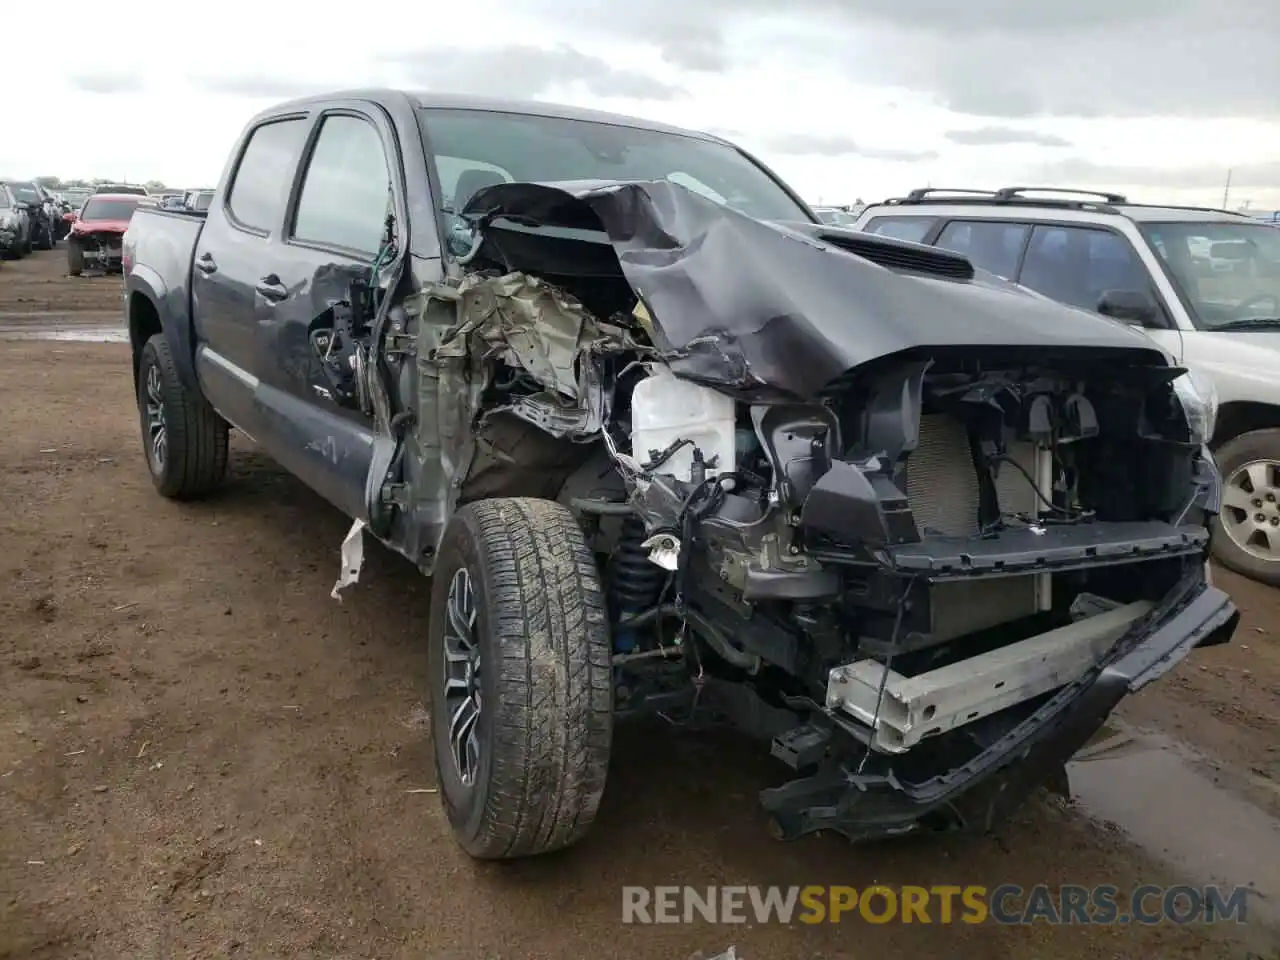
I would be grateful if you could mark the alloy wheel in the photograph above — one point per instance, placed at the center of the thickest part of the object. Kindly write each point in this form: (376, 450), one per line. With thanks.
(463, 700)
(1251, 509)
(157, 428)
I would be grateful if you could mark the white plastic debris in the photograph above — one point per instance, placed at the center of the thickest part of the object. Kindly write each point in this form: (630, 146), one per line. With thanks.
(664, 550)
(352, 559)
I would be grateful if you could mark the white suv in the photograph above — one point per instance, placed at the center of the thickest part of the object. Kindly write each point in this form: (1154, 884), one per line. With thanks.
(1203, 283)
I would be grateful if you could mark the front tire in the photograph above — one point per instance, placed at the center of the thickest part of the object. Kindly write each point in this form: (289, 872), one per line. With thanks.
(46, 238)
(184, 439)
(75, 259)
(521, 682)
(1246, 534)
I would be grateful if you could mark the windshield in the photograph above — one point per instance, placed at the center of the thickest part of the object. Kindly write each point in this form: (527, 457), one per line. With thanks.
(25, 192)
(475, 149)
(101, 208)
(1227, 273)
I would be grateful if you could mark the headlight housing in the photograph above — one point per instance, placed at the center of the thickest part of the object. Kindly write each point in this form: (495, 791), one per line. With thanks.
(1199, 399)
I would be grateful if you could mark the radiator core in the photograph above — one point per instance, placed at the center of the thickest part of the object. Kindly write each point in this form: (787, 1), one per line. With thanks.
(943, 492)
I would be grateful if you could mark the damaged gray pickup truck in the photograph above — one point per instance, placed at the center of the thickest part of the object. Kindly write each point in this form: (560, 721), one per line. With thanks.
(668, 445)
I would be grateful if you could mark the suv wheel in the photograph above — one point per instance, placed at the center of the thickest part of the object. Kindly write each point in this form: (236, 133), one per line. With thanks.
(184, 438)
(46, 238)
(1246, 536)
(521, 682)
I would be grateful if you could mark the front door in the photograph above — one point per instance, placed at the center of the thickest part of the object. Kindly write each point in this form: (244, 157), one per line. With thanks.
(335, 230)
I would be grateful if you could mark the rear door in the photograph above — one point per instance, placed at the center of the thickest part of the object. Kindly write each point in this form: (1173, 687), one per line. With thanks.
(239, 233)
(335, 226)
(907, 227)
(992, 245)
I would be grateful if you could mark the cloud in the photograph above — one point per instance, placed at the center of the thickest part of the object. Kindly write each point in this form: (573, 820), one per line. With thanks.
(107, 82)
(1003, 136)
(260, 85)
(836, 145)
(995, 58)
(522, 70)
(1080, 171)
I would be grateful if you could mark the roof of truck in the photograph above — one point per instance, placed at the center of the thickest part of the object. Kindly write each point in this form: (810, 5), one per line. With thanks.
(533, 108)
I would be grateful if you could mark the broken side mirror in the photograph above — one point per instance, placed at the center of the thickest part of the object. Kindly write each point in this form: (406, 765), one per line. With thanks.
(1134, 307)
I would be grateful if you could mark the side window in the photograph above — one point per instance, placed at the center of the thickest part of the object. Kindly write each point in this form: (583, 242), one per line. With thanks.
(346, 191)
(900, 228)
(264, 173)
(989, 245)
(1076, 265)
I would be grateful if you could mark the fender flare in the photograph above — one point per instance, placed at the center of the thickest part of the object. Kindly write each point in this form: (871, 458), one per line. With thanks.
(174, 312)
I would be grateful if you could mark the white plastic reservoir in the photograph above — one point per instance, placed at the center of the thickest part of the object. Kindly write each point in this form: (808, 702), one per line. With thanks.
(665, 409)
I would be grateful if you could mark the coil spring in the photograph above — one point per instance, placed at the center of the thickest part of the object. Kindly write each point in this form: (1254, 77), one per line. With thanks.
(634, 582)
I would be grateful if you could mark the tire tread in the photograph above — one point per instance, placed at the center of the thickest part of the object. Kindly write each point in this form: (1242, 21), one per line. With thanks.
(198, 438)
(553, 726)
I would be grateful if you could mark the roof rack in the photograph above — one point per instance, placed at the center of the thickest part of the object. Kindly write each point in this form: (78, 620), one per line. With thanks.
(915, 196)
(1015, 193)
(1017, 196)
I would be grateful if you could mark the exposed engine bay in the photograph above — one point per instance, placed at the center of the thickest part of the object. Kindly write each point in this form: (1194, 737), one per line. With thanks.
(103, 250)
(882, 513)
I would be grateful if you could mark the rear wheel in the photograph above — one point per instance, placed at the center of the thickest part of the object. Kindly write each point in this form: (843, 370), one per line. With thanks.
(1246, 535)
(184, 438)
(521, 691)
(46, 237)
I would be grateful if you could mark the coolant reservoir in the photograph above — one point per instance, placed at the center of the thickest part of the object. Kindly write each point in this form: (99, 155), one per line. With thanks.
(665, 409)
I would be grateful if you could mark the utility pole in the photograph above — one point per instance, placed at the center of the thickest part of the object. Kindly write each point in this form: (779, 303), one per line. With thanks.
(1226, 190)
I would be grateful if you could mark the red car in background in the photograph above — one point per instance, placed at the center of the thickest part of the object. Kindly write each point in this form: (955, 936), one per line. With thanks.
(97, 231)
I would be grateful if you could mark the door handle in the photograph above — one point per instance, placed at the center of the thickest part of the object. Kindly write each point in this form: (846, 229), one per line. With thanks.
(271, 288)
(205, 264)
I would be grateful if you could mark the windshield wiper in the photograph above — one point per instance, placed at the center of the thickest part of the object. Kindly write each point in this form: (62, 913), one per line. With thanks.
(1250, 323)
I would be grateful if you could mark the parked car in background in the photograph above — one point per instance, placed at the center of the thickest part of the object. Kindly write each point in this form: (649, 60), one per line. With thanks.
(63, 208)
(95, 237)
(835, 216)
(198, 200)
(76, 196)
(15, 224)
(660, 450)
(133, 189)
(1203, 283)
(42, 211)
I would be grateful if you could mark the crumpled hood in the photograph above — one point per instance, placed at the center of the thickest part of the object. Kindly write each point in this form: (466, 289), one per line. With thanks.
(746, 304)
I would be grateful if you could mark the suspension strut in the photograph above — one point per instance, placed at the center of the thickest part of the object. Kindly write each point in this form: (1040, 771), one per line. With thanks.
(633, 581)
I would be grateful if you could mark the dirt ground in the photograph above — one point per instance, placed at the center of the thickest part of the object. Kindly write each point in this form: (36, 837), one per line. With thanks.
(203, 755)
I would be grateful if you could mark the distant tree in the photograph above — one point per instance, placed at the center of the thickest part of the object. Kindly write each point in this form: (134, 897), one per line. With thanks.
(154, 185)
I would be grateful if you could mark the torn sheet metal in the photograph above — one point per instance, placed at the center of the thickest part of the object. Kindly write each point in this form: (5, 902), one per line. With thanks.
(759, 307)
(526, 323)
(352, 559)
(544, 333)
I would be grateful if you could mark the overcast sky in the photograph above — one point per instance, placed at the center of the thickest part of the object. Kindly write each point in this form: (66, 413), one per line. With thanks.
(844, 98)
